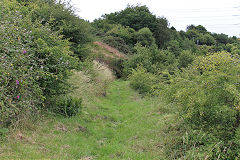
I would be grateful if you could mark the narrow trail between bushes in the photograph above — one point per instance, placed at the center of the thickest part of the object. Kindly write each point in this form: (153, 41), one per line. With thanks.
(121, 125)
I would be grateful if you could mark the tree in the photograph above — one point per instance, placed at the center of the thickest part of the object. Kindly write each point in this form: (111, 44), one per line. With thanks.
(138, 17)
(198, 28)
(174, 47)
(185, 58)
(61, 17)
(145, 37)
(221, 38)
(206, 39)
(126, 33)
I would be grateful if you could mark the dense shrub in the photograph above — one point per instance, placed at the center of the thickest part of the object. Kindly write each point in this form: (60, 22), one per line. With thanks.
(117, 66)
(3, 134)
(186, 58)
(142, 80)
(187, 44)
(145, 37)
(174, 47)
(206, 39)
(61, 16)
(126, 33)
(207, 94)
(138, 17)
(34, 63)
(118, 43)
(152, 59)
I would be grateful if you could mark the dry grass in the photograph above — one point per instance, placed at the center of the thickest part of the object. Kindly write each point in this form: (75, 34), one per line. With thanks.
(90, 87)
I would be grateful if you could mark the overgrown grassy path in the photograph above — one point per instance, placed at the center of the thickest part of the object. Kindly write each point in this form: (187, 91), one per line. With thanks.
(121, 125)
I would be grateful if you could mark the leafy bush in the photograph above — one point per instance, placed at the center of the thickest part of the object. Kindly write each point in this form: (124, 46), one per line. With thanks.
(193, 144)
(126, 33)
(187, 44)
(145, 37)
(174, 47)
(67, 106)
(138, 17)
(34, 63)
(117, 43)
(208, 94)
(61, 17)
(141, 80)
(207, 39)
(152, 59)
(186, 58)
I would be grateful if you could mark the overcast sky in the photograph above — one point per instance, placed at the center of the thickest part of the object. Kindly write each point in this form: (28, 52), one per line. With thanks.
(219, 16)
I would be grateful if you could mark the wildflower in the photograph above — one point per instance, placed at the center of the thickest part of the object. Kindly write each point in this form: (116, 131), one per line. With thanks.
(18, 97)
(24, 51)
(17, 82)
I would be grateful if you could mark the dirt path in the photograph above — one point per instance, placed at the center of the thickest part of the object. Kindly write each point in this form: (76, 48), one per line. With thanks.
(110, 49)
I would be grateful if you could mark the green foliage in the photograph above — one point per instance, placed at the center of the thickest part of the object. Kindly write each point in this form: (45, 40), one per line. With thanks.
(117, 43)
(198, 28)
(204, 50)
(221, 38)
(192, 35)
(188, 44)
(208, 94)
(152, 59)
(34, 63)
(206, 39)
(200, 36)
(142, 80)
(126, 33)
(186, 58)
(3, 134)
(145, 37)
(141, 57)
(192, 144)
(67, 106)
(208, 97)
(117, 66)
(61, 17)
(144, 18)
(174, 47)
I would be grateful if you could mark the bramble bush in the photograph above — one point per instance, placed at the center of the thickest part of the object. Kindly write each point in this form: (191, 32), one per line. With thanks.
(34, 63)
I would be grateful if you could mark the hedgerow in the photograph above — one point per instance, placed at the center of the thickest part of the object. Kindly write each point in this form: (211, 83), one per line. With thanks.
(34, 63)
